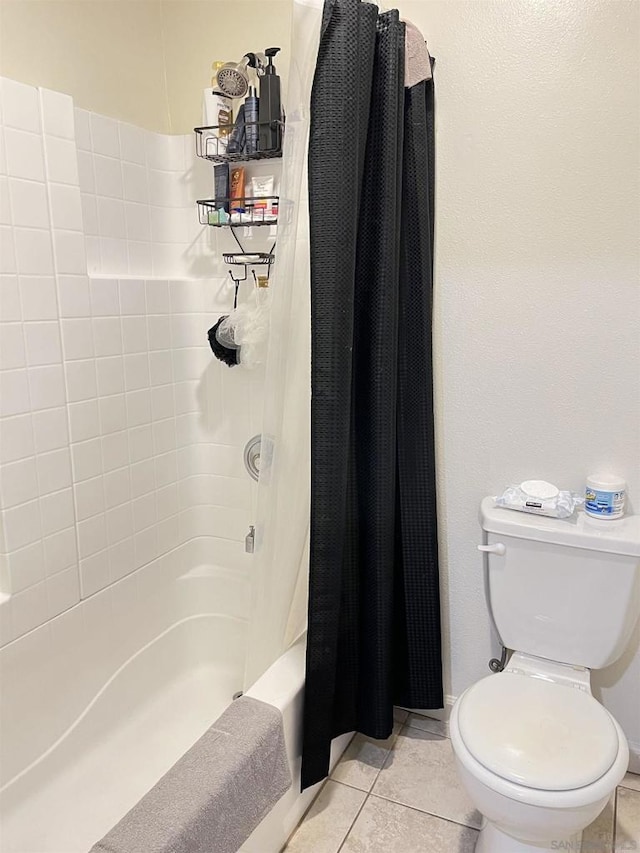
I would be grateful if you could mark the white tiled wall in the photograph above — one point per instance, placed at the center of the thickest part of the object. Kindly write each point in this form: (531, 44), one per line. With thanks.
(120, 436)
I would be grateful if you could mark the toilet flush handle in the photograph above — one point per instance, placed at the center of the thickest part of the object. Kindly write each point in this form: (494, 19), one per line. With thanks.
(498, 549)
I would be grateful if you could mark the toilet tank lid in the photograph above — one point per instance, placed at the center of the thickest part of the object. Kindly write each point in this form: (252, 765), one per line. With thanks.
(613, 536)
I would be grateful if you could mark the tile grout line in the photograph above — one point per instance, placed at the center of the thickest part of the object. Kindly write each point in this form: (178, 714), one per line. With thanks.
(353, 822)
(423, 811)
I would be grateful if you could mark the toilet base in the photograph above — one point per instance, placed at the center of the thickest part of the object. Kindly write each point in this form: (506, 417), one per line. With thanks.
(492, 840)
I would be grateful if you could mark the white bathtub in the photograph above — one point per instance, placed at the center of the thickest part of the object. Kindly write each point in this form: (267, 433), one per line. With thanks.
(97, 704)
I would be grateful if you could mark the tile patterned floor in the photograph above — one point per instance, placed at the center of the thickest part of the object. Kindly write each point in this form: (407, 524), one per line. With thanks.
(402, 796)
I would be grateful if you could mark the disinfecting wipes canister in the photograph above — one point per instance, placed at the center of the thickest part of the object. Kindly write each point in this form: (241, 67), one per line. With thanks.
(604, 496)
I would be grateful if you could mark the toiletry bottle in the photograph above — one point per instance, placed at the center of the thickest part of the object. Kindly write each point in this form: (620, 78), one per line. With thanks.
(270, 110)
(251, 108)
(217, 112)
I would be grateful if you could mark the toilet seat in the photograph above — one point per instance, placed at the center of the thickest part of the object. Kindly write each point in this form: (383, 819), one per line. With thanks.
(537, 733)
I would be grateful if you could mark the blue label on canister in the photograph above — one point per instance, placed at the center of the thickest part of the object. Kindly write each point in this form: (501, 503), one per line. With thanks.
(601, 503)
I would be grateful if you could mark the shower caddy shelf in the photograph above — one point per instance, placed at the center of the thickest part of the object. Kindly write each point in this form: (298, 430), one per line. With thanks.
(209, 208)
(210, 145)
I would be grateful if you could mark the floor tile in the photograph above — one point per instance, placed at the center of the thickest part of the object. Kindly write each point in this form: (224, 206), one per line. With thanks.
(400, 715)
(631, 780)
(327, 822)
(428, 724)
(386, 827)
(420, 772)
(598, 838)
(362, 760)
(627, 821)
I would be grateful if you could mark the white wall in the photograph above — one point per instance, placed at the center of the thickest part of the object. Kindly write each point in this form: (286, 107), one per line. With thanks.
(140, 61)
(537, 301)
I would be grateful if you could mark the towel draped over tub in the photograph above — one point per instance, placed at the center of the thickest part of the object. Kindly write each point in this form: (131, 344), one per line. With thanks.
(216, 794)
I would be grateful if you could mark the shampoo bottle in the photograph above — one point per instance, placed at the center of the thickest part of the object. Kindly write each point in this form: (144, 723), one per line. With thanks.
(270, 106)
(251, 121)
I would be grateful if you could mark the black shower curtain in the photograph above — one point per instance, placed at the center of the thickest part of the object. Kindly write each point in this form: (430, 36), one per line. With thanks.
(374, 610)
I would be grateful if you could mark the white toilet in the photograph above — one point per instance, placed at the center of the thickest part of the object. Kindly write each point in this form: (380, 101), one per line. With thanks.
(537, 754)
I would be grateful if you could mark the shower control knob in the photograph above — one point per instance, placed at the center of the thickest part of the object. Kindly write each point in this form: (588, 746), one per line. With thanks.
(498, 549)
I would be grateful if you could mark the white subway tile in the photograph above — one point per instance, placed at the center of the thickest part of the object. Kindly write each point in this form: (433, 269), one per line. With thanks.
(143, 478)
(167, 501)
(162, 402)
(104, 135)
(92, 536)
(111, 221)
(132, 296)
(110, 374)
(187, 297)
(16, 438)
(161, 367)
(33, 251)
(136, 371)
(140, 258)
(20, 106)
(94, 574)
(134, 335)
(77, 338)
(70, 252)
(107, 334)
(62, 160)
(84, 421)
(146, 546)
(86, 457)
(119, 523)
(26, 567)
(86, 175)
(42, 341)
(54, 471)
(113, 253)
(29, 203)
(121, 559)
(29, 609)
(166, 466)
(138, 407)
(50, 430)
(63, 591)
(104, 297)
(135, 183)
(21, 525)
(5, 203)
(89, 207)
(60, 551)
(38, 295)
(24, 155)
(10, 309)
(138, 223)
(83, 129)
(12, 350)
(117, 487)
(168, 534)
(164, 435)
(158, 299)
(57, 511)
(18, 482)
(144, 511)
(73, 296)
(140, 443)
(89, 498)
(165, 189)
(66, 207)
(94, 258)
(57, 114)
(108, 176)
(132, 143)
(159, 326)
(14, 392)
(7, 250)
(81, 380)
(115, 451)
(113, 414)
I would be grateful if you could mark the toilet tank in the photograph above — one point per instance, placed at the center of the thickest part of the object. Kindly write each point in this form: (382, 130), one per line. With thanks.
(563, 589)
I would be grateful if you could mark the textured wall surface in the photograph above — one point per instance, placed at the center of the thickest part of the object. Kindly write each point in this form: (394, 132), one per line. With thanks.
(537, 298)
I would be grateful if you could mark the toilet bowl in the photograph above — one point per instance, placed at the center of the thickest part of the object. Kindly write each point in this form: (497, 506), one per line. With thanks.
(539, 757)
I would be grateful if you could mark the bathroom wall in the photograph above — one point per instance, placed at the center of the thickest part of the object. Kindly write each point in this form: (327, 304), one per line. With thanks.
(537, 301)
(121, 438)
(141, 62)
